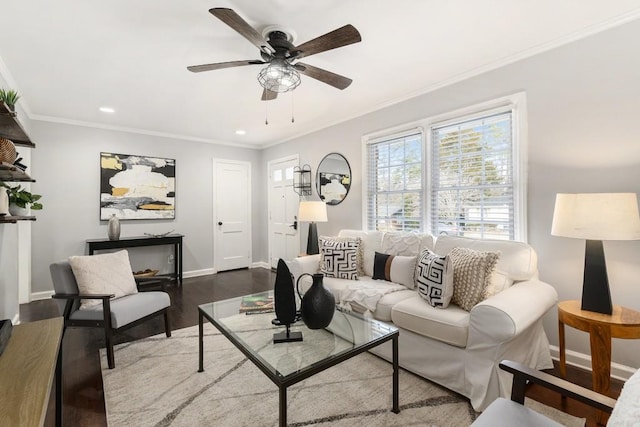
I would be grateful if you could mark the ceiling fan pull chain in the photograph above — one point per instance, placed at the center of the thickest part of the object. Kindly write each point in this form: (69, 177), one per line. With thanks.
(292, 118)
(266, 113)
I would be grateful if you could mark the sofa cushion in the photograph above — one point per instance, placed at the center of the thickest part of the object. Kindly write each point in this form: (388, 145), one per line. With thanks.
(472, 273)
(405, 243)
(339, 258)
(396, 269)
(371, 242)
(434, 278)
(518, 261)
(103, 274)
(450, 326)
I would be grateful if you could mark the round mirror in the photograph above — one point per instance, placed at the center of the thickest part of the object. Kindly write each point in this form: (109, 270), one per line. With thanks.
(333, 178)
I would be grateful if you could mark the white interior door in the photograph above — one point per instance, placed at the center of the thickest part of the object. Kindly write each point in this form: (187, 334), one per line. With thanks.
(232, 214)
(283, 208)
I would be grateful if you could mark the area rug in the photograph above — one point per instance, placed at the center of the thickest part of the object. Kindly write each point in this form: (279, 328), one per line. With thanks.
(156, 383)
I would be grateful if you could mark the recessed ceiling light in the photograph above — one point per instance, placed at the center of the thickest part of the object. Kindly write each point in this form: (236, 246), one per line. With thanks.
(241, 132)
(107, 110)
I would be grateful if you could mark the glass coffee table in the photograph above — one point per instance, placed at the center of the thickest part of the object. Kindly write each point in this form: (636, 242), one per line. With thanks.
(286, 364)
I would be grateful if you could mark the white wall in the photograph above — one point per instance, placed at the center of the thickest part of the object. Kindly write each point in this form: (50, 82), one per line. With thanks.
(584, 136)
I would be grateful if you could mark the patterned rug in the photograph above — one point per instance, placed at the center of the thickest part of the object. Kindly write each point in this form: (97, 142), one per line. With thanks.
(156, 383)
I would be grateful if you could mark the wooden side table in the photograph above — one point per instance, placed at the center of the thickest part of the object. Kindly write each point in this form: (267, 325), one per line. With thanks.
(622, 323)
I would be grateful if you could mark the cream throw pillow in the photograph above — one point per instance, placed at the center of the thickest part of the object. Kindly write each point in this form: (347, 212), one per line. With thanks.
(103, 274)
(472, 275)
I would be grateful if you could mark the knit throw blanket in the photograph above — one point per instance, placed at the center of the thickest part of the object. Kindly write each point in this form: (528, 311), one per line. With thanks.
(366, 294)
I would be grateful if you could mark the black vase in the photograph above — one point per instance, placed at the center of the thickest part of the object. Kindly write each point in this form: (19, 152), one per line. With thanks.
(318, 303)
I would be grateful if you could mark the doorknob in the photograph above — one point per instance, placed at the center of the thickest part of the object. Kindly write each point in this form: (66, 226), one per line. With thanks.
(219, 222)
(294, 225)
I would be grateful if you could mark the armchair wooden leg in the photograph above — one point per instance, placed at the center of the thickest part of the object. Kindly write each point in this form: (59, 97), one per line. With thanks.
(167, 324)
(109, 342)
(108, 333)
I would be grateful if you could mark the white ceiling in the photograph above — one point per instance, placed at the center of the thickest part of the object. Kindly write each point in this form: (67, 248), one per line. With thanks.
(67, 58)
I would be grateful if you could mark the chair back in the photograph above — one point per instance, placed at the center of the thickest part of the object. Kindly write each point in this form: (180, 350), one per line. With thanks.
(64, 282)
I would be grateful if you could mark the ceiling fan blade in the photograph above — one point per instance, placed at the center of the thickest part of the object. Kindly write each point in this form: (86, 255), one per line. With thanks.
(268, 95)
(232, 19)
(221, 65)
(332, 79)
(343, 36)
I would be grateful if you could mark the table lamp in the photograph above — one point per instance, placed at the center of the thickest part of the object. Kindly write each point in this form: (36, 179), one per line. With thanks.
(596, 217)
(312, 212)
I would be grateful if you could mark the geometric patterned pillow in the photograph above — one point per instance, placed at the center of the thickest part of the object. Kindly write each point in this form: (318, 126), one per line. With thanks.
(434, 275)
(472, 273)
(360, 249)
(339, 258)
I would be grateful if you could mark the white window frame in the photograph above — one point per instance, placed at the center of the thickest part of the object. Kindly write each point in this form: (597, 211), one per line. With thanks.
(518, 105)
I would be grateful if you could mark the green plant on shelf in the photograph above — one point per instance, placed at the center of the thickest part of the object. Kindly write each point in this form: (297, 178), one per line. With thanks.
(9, 97)
(22, 198)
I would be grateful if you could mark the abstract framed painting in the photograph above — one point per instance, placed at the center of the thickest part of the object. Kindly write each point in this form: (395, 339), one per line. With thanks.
(137, 187)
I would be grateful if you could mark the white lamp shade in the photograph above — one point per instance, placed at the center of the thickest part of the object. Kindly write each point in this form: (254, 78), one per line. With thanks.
(597, 216)
(312, 211)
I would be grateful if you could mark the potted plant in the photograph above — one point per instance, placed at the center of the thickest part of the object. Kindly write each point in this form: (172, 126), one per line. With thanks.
(20, 200)
(9, 97)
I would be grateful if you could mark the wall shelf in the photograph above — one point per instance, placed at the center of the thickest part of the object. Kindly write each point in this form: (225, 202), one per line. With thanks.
(11, 128)
(12, 173)
(302, 180)
(8, 219)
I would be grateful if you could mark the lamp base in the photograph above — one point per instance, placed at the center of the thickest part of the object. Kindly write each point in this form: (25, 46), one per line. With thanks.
(312, 240)
(596, 295)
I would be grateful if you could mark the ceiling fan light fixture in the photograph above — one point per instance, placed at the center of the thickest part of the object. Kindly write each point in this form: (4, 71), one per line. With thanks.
(279, 76)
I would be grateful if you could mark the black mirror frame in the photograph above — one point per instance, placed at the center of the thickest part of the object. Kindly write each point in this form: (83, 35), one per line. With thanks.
(318, 180)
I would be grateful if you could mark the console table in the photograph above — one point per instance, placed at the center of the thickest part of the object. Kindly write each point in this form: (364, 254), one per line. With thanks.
(27, 366)
(137, 241)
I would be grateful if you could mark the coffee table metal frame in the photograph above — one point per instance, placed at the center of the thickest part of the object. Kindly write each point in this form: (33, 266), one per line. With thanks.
(283, 382)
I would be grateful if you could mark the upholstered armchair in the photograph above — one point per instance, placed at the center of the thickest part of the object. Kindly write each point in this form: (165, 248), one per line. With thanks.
(505, 412)
(104, 310)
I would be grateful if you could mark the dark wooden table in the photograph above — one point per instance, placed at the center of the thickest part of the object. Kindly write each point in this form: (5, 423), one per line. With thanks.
(138, 241)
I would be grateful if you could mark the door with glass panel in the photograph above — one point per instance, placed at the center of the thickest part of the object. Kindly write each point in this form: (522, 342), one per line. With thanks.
(284, 241)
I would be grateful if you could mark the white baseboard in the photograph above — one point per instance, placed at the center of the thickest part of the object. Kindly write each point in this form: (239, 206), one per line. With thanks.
(16, 319)
(583, 361)
(37, 296)
(198, 273)
(261, 264)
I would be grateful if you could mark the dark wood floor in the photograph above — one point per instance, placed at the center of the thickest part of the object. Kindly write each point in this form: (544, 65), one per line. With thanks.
(82, 384)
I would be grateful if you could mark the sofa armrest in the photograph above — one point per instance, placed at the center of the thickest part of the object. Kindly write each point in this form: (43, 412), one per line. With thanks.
(510, 312)
(304, 264)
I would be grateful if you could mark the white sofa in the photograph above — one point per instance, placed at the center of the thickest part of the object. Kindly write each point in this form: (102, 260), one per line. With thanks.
(452, 347)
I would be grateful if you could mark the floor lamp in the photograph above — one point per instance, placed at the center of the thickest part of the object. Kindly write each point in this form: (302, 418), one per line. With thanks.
(312, 212)
(596, 217)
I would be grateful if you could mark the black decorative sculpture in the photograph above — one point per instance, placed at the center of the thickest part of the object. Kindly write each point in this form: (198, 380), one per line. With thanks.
(285, 302)
(318, 303)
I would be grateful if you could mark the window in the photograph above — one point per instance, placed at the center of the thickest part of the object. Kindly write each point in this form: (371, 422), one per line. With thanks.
(394, 187)
(466, 179)
(472, 178)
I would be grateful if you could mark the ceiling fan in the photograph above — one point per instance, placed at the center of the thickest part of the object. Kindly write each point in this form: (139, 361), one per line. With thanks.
(282, 74)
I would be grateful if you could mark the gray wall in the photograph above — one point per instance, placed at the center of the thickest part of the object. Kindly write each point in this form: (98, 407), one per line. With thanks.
(66, 167)
(584, 136)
